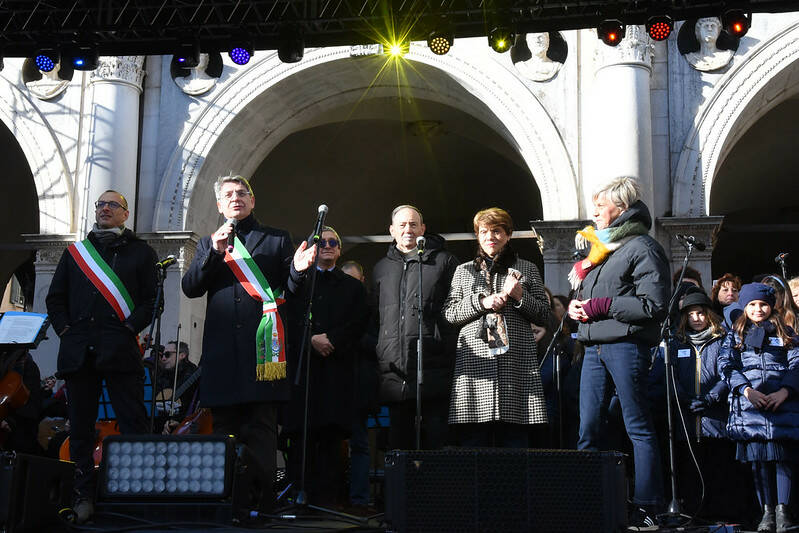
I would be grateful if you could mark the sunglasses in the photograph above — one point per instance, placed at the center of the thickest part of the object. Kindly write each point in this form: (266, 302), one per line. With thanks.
(166, 355)
(324, 243)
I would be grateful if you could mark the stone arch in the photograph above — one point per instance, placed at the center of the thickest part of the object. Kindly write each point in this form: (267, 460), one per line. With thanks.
(45, 158)
(490, 92)
(764, 79)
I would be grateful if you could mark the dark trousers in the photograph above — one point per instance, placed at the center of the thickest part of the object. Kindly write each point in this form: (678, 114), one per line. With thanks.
(625, 365)
(253, 424)
(402, 416)
(324, 465)
(84, 387)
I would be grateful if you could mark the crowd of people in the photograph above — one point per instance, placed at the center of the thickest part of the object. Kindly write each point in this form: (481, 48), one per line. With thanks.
(505, 362)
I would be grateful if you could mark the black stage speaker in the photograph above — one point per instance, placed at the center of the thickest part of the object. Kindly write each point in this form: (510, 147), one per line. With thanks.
(193, 478)
(32, 491)
(545, 491)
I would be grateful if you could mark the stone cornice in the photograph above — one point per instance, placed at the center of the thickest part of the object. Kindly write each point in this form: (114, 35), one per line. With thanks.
(557, 238)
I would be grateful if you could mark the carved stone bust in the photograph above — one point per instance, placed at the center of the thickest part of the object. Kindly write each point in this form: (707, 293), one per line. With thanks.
(539, 67)
(198, 81)
(709, 57)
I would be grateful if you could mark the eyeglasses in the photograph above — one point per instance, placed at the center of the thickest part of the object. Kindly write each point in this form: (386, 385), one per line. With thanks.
(99, 204)
(166, 355)
(324, 243)
(239, 193)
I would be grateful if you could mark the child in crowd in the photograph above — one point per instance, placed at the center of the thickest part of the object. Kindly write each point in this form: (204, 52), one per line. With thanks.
(760, 362)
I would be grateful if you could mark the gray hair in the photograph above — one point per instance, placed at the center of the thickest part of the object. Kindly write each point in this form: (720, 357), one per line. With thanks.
(406, 206)
(230, 178)
(623, 191)
(333, 231)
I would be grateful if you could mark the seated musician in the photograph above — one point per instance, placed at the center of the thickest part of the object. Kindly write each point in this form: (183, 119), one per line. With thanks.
(171, 360)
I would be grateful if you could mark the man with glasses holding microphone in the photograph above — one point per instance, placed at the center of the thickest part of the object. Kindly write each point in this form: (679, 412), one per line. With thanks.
(102, 294)
(246, 271)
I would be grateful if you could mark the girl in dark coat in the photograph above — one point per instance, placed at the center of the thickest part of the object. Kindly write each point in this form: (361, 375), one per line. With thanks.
(760, 362)
(702, 393)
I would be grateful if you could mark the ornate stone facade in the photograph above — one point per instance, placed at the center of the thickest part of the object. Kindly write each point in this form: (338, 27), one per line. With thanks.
(120, 69)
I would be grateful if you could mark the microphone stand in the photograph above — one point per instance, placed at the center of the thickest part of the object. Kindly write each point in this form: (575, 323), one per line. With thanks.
(419, 360)
(301, 499)
(672, 516)
(155, 323)
(556, 377)
(781, 261)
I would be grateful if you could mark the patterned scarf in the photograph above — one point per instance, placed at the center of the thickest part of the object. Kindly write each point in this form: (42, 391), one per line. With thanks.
(603, 243)
(494, 330)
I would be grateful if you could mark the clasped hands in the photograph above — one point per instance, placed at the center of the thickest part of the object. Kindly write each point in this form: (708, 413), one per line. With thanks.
(511, 289)
(768, 402)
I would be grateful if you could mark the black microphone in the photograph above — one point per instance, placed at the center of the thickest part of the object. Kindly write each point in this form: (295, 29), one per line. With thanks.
(420, 243)
(231, 238)
(780, 259)
(166, 261)
(693, 241)
(320, 221)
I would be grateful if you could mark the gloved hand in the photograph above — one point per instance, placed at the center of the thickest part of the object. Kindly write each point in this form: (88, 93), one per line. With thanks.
(699, 404)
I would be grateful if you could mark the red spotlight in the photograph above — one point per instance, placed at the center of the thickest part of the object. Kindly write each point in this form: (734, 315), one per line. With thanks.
(611, 31)
(659, 27)
(736, 22)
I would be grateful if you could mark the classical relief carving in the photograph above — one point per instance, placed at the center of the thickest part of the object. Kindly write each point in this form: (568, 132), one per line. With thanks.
(635, 48)
(558, 238)
(124, 69)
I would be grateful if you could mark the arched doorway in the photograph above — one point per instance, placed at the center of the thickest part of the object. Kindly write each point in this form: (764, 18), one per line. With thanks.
(755, 191)
(19, 214)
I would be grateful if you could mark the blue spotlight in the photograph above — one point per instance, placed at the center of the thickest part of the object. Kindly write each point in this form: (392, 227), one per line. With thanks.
(241, 53)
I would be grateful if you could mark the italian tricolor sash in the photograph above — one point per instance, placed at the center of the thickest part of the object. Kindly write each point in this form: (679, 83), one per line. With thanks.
(270, 339)
(100, 274)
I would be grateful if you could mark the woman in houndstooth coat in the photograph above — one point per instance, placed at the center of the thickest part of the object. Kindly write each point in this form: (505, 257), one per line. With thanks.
(496, 386)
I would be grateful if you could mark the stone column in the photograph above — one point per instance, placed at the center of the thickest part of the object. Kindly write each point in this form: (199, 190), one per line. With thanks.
(49, 248)
(189, 313)
(619, 141)
(558, 241)
(704, 229)
(112, 145)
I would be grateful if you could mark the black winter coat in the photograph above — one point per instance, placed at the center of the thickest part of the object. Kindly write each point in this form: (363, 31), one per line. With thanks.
(395, 306)
(636, 276)
(232, 316)
(93, 325)
(340, 311)
(702, 379)
(766, 370)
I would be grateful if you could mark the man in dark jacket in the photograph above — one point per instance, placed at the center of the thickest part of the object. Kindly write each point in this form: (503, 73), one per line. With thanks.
(338, 320)
(395, 304)
(102, 295)
(625, 283)
(243, 381)
(172, 361)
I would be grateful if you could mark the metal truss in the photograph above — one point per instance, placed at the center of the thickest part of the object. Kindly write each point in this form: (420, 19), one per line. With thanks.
(140, 27)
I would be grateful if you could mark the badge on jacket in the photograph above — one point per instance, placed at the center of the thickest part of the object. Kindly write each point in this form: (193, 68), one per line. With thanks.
(775, 341)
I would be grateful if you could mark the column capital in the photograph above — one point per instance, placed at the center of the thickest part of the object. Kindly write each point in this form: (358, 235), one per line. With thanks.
(557, 237)
(125, 70)
(635, 49)
(703, 228)
(181, 244)
(49, 247)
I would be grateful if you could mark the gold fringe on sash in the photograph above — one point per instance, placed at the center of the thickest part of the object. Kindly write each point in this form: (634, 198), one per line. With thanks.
(270, 371)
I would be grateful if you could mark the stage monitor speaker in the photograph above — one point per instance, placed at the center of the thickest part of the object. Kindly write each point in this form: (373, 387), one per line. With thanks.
(545, 491)
(32, 491)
